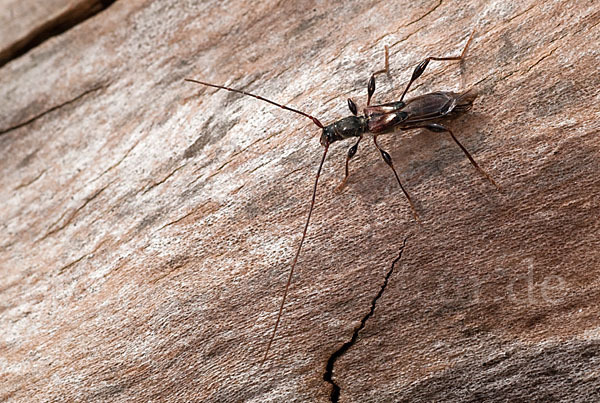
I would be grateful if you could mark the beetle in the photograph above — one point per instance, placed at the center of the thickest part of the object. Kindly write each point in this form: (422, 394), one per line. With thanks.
(425, 111)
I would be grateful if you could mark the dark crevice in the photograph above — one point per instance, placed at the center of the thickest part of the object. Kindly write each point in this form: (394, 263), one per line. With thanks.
(30, 181)
(52, 109)
(57, 25)
(74, 262)
(56, 227)
(118, 162)
(426, 14)
(540, 60)
(163, 180)
(328, 376)
(176, 220)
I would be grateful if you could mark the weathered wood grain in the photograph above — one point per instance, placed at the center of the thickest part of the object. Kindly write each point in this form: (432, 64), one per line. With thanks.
(147, 225)
(26, 24)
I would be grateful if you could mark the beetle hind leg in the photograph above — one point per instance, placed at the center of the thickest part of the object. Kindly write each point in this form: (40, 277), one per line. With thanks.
(438, 128)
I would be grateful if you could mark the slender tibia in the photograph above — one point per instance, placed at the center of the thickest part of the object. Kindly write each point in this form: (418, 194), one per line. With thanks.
(351, 152)
(438, 128)
(423, 65)
(388, 160)
(371, 84)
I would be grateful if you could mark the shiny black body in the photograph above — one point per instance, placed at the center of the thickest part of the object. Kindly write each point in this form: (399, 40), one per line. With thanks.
(351, 126)
(388, 117)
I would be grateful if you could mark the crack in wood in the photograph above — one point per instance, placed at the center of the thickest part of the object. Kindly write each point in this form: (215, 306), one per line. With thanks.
(52, 109)
(179, 219)
(540, 60)
(54, 26)
(163, 180)
(30, 181)
(328, 376)
(426, 14)
(118, 162)
(74, 262)
(72, 216)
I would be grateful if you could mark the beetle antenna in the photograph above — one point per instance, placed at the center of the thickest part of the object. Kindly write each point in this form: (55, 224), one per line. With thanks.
(287, 286)
(314, 119)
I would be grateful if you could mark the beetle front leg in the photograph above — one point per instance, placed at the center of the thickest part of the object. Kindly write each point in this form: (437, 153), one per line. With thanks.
(351, 152)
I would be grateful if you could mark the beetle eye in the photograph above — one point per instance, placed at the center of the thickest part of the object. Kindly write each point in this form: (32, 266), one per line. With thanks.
(326, 136)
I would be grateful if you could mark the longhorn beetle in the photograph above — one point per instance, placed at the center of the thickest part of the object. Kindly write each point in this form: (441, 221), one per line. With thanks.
(423, 111)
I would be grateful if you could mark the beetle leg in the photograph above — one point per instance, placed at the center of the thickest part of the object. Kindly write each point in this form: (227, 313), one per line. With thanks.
(388, 160)
(351, 152)
(371, 85)
(438, 128)
(423, 65)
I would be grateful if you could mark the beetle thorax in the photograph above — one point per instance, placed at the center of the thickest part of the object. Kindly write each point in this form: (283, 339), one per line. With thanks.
(351, 126)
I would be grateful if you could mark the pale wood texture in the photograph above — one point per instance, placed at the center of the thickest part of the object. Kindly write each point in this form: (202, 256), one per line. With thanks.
(147, 224)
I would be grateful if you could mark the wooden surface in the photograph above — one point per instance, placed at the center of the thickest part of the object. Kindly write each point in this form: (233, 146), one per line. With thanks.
(26, 24)
(147, 224)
